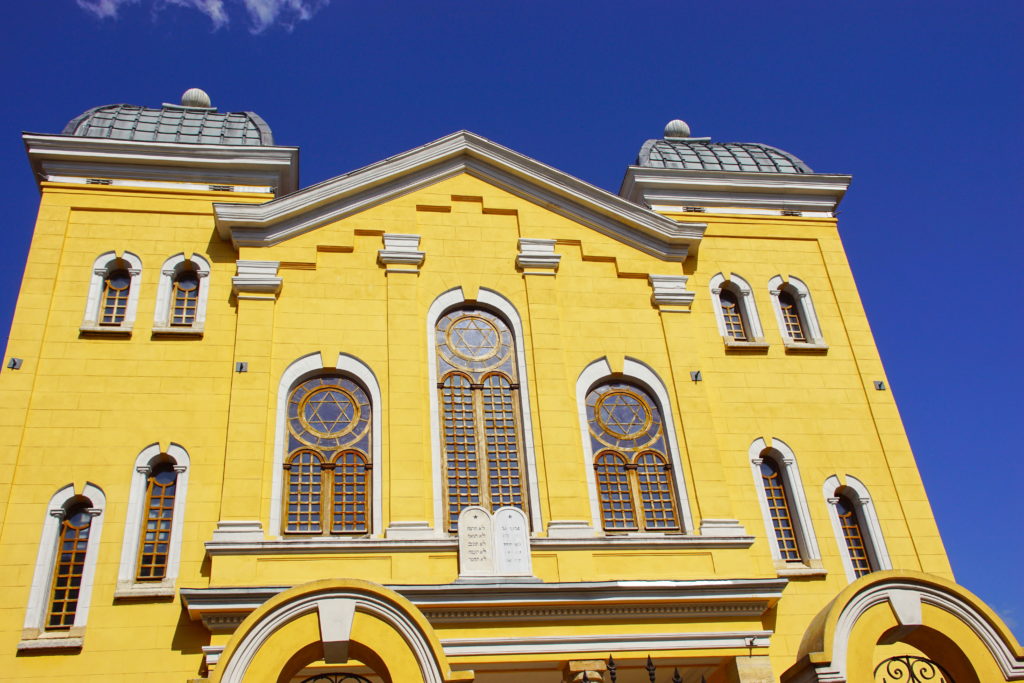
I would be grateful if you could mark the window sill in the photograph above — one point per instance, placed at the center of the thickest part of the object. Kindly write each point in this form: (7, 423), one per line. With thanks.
(805, 347)
(178, 332)
(799, 570)
(92, 329)
(128, 591)
(51, 641)
(752, 345)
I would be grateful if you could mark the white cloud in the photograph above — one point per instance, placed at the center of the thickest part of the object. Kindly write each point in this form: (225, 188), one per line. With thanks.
(262, 14)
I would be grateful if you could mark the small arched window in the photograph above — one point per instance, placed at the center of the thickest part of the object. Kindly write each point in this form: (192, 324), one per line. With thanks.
(633, 472)
(784, 506)
(113, 293)
(853, 534)
(480, 421)
(181, 300)
(155, 544)
(736, 312)
(327, 471)
(795, 314)
(779, 509)
(858, 533)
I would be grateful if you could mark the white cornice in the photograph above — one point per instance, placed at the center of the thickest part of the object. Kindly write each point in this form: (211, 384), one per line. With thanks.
(461, 152)
(602, 643)
(69, 155)
(668, 188)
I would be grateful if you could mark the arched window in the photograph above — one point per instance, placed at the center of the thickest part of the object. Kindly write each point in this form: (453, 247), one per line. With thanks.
(635, 485)
(736, 312)
(478, 390)
(794, 312)
(329, 444)
(858, 533)
(113, 293)
(151, 553)
(784, 506)
(181, 299)
(65, 568)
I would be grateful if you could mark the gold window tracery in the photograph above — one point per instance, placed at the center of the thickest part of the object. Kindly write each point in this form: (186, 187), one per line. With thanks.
(480, 414)
(632, 465)
(853, 534)
(155, 543)
(69, 568)
(329, 421)
(778, 506)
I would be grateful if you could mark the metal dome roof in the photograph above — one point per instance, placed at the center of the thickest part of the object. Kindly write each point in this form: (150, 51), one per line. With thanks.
(172, 123)
(703, 154)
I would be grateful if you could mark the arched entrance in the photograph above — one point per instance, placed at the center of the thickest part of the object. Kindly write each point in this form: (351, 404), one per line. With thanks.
(903, 626)
(336, 621)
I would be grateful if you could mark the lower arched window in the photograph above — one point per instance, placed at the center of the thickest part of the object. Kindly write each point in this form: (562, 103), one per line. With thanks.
(327, 474)
(69, 568)
(853, 535)
(633, 470)
(858, 532)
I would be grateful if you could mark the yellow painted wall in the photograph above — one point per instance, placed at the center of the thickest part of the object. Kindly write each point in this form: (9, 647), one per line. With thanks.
(82, 408)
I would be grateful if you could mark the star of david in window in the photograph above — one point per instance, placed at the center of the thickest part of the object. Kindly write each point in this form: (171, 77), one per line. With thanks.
(622, 414)
(329, 411)
(473, 338)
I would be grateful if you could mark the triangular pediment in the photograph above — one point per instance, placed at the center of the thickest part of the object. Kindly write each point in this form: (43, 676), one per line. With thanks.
(254, 225)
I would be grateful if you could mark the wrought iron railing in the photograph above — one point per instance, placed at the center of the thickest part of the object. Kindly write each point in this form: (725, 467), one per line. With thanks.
(910, 669)
(340, 677)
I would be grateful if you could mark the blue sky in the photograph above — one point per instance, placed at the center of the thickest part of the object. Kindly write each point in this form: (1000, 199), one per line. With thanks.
(920, 101)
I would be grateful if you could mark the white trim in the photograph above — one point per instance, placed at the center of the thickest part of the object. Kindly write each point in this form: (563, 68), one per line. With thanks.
(236, 668)
(461, 152)
(164, 293)
(802, 296)
(604, 643)
(401, 249)
(743, 211)
(790, 472)
(489, 298)
(158, 184)
(127, 586)
(42, 577)
(299, 370)
(256, 279)
(537, 256)
(639, 372)
(748, 309)
(669, 292)
(103, 264)
(857, 494)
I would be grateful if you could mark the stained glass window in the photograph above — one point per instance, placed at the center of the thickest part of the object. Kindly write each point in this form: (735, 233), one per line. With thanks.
(329, 421)
(116, 286)
(479, 398)
(853, 533)
(632, 466)
(779, 508)
(154, 546)
(69, 568)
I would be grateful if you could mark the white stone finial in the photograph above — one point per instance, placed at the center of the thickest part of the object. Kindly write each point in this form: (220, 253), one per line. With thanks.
(195, 97)
(677, 128)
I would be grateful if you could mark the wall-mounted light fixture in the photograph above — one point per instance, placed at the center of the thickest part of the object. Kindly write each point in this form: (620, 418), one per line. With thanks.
(14, 363)
(241, 366)
(695, 375)
(879, 385)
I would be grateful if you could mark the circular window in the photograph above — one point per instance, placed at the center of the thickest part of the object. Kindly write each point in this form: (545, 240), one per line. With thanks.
(473, 338)
(623, 414)
(329, 411)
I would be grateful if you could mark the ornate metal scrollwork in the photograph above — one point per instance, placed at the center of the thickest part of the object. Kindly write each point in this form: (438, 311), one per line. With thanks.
(340, 677)
(910, 669)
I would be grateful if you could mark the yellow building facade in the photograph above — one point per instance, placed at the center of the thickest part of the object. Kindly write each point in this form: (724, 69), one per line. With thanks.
(455, 416)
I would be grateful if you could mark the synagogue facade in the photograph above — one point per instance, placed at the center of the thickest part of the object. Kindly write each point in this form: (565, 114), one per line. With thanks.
(455, 416)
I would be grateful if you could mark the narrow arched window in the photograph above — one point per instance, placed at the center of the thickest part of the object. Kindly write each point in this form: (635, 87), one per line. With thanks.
(795, 328)
(732, 314)
(116, 287)
(853, 534)
(113, 296)
(185, 299)
(780, 509)
(631, 463)
(69, 567)
(155, 544)
(480, 420)
(329, 420)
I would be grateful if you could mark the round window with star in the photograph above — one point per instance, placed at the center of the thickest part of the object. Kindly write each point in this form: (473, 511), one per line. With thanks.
(623, 417)
(474, 340)
(329, 412)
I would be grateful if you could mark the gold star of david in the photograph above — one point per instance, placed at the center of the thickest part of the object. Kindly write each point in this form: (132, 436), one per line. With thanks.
(474, 337)
(623, 414)
(330, 411)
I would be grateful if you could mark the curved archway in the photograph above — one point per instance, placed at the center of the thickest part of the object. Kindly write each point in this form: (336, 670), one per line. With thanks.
(336, 620)
(914, 611)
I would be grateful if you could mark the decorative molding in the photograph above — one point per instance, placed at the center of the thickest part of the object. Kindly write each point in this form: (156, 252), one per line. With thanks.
(669, 293)
(722, 528)
(401, 250)
(410, 531)
(275, 168)
(461, 152)
(537, 256)
(572, 529)
(238, 531)
(256, 279)
(632, 642)
(671, 189)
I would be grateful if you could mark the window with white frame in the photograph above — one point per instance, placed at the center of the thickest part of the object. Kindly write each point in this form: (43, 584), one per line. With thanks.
(113, 296)
(855, 524)
(783, 504)
(182, 295)
(65, 569)
(735, 311)
(151, 552)
(795, 314)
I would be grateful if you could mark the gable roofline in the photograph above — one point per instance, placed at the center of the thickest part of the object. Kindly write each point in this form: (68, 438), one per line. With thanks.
(460, 152)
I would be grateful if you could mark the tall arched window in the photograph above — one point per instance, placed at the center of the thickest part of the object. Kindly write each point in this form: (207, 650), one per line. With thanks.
(327, 470)
(736, 312)
(784, 506)
(181, 298)
(69, 568)
(113, 293)
(857, 530)
(779, 509)
(155, 544)
(794, 311)
(478, 390)
(853, 534)
(633, 471)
